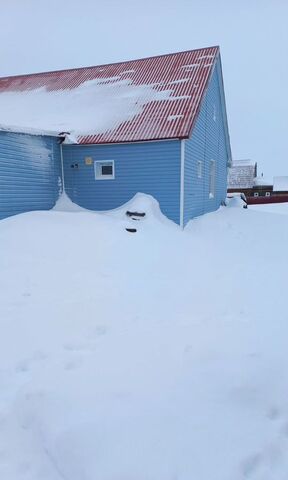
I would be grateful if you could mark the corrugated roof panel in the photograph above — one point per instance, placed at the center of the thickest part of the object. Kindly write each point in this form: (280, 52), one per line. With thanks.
(184, 74)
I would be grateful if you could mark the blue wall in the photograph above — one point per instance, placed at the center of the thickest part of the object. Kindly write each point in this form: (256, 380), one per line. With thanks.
(30, 173)
(209, 141)
(148, 167)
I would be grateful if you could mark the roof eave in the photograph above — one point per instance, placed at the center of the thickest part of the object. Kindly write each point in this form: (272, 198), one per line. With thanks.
(82, 142)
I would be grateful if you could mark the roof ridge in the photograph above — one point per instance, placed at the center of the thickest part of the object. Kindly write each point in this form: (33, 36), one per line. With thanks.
(9, 77)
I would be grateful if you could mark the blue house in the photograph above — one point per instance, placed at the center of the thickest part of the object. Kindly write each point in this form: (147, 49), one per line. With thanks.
(156, 125)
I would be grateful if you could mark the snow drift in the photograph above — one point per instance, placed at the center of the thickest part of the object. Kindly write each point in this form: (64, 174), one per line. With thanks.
(159, 356)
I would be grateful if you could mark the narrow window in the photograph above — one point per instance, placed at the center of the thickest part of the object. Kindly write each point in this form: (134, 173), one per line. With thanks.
(212, 179)
(214, 113)
(267, 194)
(104, 170)
(256, 194)
(199, 169)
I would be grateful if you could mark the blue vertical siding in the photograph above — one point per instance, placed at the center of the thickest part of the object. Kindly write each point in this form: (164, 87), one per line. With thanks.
(209, 141)
(149, 167)
(30, 173)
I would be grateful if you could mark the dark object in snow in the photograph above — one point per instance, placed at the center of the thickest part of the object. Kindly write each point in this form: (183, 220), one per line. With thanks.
(74, 165)
(135, 214)
(62, 136)
(131, 230)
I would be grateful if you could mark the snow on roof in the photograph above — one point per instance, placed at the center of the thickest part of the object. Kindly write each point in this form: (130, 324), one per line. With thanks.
(121, 102)
(262, 181)
(31, 130)
(242, 174)
(280, 184)
(246, 162)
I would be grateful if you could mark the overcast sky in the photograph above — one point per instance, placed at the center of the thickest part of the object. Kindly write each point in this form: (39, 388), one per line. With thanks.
(38, 35)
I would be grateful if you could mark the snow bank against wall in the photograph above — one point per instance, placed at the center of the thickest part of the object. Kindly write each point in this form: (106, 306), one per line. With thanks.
(140, 203)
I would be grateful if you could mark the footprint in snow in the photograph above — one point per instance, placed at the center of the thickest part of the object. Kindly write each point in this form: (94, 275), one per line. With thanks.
(100, 330)
(79, 347)
(251, 465)
(22, 367)
(23, 468)
(284, 430)
(271, 455)
(87, 346)
(273, 413)
(73, 364)
(188, 349)
(25, 365)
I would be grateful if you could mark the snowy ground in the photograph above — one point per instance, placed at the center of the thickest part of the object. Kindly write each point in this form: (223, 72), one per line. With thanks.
(271, 208)
(160, 355)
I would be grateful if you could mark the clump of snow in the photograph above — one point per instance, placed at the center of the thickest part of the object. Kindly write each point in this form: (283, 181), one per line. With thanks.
(143, 203)
(174, 117)
(156, 355)
(124, 72)
(205, 56)
(234, 200)
(65, 204)
(179, 97)
(94, 107)
(190, 67)
(176, 82)
(69, 138)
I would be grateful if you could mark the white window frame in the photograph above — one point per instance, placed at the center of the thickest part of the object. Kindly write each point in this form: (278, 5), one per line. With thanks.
(212, 178)
(256, 194)
(100, 163)
(199, 168)
(267, 194)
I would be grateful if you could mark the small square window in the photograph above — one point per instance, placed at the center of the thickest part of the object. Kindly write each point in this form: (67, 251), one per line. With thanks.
(199, 169)
(267, 194)
(104, 170)
(107, 170)
(256, 194)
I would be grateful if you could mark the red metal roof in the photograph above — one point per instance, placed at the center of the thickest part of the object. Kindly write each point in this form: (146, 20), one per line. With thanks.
(185, 74)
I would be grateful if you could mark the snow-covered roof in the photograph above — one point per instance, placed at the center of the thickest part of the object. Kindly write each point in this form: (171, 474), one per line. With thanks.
(147, 99)
(242, 174)
(244, 163)
(262, 181)
(280, 184)
(31, 130)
